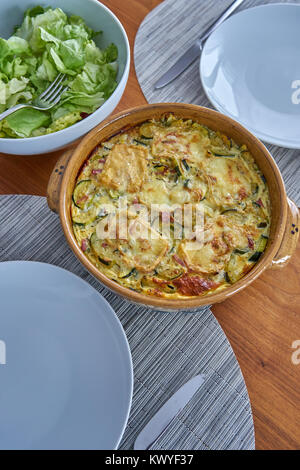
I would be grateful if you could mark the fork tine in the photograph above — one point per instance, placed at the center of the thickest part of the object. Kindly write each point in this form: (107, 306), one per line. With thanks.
(53, 85)
(54, 94)
(57, 100)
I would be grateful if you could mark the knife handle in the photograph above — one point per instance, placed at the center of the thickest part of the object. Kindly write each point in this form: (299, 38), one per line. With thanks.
(220, 20)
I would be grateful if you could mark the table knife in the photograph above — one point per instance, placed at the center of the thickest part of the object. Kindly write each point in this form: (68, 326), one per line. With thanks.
(194, 51)
(167, 413)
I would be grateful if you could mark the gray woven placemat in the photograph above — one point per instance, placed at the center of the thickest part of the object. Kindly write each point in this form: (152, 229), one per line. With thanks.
(166, 33)
(167, 348)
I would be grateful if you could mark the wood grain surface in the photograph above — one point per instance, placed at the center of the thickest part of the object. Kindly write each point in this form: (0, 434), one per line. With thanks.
(262, 322)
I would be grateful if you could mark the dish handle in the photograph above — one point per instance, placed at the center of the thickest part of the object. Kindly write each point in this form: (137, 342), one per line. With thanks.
(54, 184)
(290, 237)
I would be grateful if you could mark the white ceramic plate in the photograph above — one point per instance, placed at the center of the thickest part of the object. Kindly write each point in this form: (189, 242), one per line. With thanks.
(67, 382)
(250, 70)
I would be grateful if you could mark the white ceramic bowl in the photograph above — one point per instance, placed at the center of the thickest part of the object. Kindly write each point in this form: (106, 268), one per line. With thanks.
(98, 17)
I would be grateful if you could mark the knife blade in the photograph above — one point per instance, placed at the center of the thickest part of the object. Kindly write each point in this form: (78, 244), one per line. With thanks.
(167, 413)
(194, 51)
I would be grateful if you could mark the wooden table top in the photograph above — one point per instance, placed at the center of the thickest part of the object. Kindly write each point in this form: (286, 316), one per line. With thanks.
(262, 322)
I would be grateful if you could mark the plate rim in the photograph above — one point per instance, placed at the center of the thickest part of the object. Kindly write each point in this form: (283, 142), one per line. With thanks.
(116, 321)
(266, 138)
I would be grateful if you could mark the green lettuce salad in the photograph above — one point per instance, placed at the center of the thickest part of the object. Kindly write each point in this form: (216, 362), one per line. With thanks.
(47, 43)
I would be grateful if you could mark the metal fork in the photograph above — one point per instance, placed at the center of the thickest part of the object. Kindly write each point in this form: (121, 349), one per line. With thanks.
(47, 100)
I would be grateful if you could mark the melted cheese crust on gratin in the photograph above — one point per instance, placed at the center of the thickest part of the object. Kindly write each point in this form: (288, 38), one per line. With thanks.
(173, 163)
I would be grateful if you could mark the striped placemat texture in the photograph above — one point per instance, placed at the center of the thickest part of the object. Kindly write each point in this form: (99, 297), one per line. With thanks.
(164, 35)
(167, 348)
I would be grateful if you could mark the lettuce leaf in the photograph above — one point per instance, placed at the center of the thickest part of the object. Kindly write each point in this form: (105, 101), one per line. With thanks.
(46, 43)
(24, 121)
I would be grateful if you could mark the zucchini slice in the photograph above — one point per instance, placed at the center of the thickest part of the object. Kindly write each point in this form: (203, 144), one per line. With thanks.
(139, 142)
(243, 251)
(262, 243)
(187, 184)
(255, 189)
(129, 274)
(95, 243)
(146, 130)
(168, 271)
(104, 251)
(177, 170)
(263, 178)
(235, 268)
(228, 210)
(101, 152)
(255, 257)
(223, 156)
(83, 193)
(96, 211)
(113, 194)
(84, 217)
(234, 215)
(222, 152)
(185, 165)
